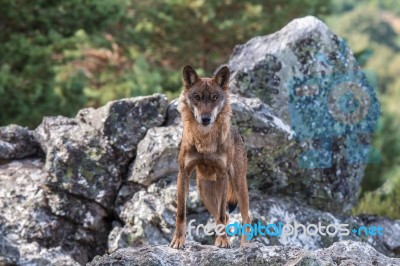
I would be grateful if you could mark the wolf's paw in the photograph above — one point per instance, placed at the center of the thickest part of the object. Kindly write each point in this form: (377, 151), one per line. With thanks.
(178, 242)
(222, 242)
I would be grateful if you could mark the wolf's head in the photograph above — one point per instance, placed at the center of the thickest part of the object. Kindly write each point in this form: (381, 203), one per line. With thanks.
(206, 97)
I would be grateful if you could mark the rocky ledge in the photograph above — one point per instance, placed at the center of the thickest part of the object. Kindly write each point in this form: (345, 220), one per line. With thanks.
(342, 253)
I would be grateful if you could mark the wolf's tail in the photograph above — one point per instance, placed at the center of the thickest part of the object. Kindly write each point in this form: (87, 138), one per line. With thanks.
(232, 200)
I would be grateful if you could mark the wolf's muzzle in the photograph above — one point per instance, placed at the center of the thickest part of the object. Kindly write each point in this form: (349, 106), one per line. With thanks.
(206, 120)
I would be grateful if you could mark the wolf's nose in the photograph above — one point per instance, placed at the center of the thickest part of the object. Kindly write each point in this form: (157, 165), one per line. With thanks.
(206, 120)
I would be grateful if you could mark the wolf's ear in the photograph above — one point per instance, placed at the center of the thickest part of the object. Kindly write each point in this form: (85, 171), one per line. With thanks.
(189, 76)
(222, 77)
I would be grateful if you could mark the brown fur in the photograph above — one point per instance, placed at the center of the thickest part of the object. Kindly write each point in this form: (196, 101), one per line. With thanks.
(216, 152)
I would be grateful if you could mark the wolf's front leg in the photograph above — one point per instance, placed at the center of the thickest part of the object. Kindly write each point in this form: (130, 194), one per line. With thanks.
(222, 186)
(180, 226)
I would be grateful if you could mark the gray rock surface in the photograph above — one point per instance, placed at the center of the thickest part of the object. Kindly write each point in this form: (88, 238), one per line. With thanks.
(17, 142)
(156, 155)
(149, 215)
(149, 218)
(30, 234)
(288, 211)
(340, 253)
(60, 211)
(86, 156)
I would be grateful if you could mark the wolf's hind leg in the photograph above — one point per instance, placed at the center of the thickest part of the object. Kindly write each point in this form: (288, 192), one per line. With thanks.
(239, 183)
(209, 195)
(213, 196)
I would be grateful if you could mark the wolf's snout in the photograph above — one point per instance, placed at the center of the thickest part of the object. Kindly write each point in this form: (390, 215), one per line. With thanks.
(206, 120)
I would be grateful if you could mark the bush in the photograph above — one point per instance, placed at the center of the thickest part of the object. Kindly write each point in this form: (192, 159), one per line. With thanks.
(384, 201)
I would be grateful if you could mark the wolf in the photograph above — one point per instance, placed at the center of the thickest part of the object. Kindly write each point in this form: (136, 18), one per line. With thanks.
(212, 148)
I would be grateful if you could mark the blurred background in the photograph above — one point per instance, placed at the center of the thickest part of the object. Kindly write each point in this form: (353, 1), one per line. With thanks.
(57, 57)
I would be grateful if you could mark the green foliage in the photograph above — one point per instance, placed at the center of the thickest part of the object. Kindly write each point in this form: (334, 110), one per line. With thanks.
(204, 33)
(341, 6)
(141, 79)
(383, 201)
(387, 142)
(364, 27)
(32, 34)
(59, 56)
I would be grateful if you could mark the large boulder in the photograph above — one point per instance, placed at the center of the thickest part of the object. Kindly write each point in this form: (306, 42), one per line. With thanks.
(341, 253)
(310, 80)
(272, 210)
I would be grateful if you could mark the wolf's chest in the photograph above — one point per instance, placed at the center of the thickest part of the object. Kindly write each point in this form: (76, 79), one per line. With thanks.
(205, 147)
(208, 165)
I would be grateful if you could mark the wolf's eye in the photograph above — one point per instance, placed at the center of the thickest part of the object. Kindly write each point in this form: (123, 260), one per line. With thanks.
(215, 97)
(196, 97)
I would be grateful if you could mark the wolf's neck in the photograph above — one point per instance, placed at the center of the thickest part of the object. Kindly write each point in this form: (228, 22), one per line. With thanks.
(207, 139)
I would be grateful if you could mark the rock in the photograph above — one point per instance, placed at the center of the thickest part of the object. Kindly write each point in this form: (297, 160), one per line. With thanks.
(272, 158)
(86, 156)
(390, 241)
(64, 206)
(356, 253)
(29, 232)
(173, 115)
(308, 77)
(88, 214)
(340, 253)
(17, 142)
(9, 253)
(157, 155)
(269, 144)
(149, 215)
(33, 255)
(269, 210)
(53, 128)
(149, 218)
(268, 67)
(125, 122)
(80, 162)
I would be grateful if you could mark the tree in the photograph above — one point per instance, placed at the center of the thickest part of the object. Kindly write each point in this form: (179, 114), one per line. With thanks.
(172, 33)
(33, 34)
